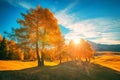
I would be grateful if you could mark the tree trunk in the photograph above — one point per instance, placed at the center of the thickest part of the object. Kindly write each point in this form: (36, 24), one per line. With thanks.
(60, 58)
(37, 48)
(67, 59)
(42, 54)
(37, 52)
(43, 46)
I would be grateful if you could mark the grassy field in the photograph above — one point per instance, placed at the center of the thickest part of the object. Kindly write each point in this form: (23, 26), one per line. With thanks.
(110, 61)
(102, 68)
(19, 65)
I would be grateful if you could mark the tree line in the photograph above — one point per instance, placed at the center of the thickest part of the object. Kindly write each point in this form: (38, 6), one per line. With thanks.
(9, 50)
(39, 37)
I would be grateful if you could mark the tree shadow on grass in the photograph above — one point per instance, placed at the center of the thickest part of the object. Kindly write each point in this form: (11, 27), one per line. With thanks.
(67, 71)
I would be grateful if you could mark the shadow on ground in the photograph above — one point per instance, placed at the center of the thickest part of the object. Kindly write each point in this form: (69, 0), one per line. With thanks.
(67, 71)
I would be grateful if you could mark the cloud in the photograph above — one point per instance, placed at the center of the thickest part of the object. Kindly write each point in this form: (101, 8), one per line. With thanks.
(18, 3)
(105, 40)
(26, 5)
(64, 17)
(12, 2)
(100, 30)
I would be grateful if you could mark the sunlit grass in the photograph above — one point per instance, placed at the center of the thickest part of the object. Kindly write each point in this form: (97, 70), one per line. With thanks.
(72, 70)
(110, 61)
(18, 65)
(47, 63)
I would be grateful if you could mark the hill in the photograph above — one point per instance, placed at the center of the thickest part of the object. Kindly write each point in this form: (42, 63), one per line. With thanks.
(72, 70)
(105, 47)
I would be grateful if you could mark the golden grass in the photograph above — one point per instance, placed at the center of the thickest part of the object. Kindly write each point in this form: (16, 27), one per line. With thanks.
(18, 65)
(110, 61)
(72, 70)
(15, 65)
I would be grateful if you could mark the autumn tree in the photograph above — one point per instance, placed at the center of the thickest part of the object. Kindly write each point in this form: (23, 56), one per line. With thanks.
(9, 50)
(60, 48)
(3, 49)
(32, 56)
(71, 49)
(85, 50)
(13, 51)
(40, 28)
(0, 37)
(63, 54)
(50, 54)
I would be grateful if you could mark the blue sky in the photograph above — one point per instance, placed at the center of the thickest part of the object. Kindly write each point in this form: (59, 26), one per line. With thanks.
(95, 20)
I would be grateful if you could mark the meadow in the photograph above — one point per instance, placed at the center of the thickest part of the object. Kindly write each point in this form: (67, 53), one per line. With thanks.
(104, 67)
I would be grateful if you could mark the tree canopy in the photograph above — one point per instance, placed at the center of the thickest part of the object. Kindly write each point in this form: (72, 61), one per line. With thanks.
(38, 28)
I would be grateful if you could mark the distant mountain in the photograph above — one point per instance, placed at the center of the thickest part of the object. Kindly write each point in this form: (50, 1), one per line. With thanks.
(105, 47)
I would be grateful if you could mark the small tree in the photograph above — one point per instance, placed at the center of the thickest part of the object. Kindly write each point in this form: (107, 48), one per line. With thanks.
(59, 48)
(0, 37)
(3, 49)
(13, 51)
(86, 51)
(71, 50)
(50, 54)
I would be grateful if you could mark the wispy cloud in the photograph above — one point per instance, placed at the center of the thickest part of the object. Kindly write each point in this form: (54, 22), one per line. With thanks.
(26, 5)
(64, 17)
(100, 30)
(20, 3)
(12, 2)
(105, 40)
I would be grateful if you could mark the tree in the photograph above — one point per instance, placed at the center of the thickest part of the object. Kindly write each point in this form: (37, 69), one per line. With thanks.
(60, 48)
(0, 37)
(9, 50)
(85, 50)
(3, 49)
(40, 28)
(71, 50)
(13, 51)
(50, 54)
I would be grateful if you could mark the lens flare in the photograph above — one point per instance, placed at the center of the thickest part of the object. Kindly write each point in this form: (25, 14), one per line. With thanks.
(76, 41)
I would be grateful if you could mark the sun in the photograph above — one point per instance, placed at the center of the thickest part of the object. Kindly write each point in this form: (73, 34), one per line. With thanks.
(76, 41)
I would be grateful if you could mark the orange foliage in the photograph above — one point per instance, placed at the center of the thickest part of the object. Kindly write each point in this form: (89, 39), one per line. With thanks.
(0, 37)
(82, 50)
(41, 28)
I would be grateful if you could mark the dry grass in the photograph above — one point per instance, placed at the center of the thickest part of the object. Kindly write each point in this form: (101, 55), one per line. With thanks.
(19, 65)
(73, 70)
(110, 61)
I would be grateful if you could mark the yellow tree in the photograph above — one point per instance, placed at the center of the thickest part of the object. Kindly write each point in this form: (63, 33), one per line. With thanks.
(86, 51)
(50, 54)
(71, 49)
(42, 29)
(60, 48)
(3, 49)
(0, 37)
(13, 51)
